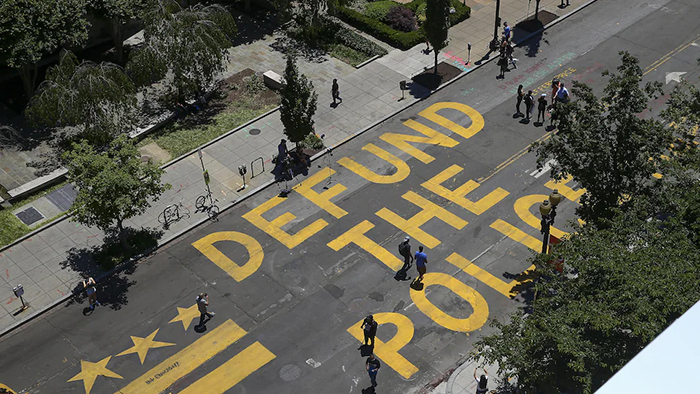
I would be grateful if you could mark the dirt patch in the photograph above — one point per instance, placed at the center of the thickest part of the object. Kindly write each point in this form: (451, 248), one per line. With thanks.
(234, 87)
(432, 81)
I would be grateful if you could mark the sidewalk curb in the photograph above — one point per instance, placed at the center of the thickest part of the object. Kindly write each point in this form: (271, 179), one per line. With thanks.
(260, 188)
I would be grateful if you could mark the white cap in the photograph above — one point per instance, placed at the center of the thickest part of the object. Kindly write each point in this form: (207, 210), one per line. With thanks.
(544, 94)
(407, 238)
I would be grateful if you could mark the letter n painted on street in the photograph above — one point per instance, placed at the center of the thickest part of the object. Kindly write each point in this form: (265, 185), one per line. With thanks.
(389, 351)
(430, 113)
(237, 272)
(431, 137)
(457, 196)
(402, 169)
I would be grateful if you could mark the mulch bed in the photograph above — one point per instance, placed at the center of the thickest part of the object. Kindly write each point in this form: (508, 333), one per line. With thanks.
(432, 81)
(530, 24)
(232, 89)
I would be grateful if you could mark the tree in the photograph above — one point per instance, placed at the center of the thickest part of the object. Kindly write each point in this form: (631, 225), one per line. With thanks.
(605, 145)
(298, 102)
(30, 29)
(113, 186)
(191, 44)
(437, 24)
(621, 287)
(97, 99)
(119, 13)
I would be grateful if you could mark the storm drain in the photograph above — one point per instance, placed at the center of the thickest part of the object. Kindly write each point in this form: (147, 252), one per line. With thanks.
(29, 216)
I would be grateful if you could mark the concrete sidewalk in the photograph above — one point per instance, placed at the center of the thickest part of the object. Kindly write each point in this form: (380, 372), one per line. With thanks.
(50, 261)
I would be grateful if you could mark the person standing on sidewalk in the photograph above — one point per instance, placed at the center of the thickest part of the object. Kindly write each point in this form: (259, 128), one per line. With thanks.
(372, 366)
(482, 383)
(405, 252)
(541, 106)
(421, 264)
(520, 97)
(335, 91)
(529, 104)
(506, 31)
(89, 286)
(203, 306)
(562, 4)
(369, 327)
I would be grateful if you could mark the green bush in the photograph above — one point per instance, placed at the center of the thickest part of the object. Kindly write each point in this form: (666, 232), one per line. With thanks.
(379, 9)
(312, 141)
(380, 30)
(462, 11)
(420, 13)
(355, 41)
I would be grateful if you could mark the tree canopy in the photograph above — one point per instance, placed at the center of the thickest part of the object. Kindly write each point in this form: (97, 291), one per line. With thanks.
(190, 43)
(605, 145)
(97, 99)
(298, 102)
(30, 29)
(113, 185)
(119, 13)
(437, 25)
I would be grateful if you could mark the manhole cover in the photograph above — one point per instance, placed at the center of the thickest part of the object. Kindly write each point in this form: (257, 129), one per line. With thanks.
(29, 216)
(290, 372)
(254, 131)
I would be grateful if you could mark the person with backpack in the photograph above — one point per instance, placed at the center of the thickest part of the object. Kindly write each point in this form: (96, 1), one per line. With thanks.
(369, 328)
(529, 104)
(405, 252)
(482, 383)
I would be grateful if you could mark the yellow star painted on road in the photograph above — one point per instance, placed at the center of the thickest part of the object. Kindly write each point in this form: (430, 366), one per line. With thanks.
(141, 346)
(186, 315)
(90, 371)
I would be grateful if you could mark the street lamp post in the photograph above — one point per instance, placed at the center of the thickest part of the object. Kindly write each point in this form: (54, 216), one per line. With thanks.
(493, 46)
(548, 210)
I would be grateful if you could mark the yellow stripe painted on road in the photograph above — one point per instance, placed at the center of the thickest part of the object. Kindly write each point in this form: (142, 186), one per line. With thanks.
(433, 137)
(477, 120)
(402, 168)
(663, 59)
(232, 371)
(429, 210)
(563, 188)
(323, 199)
(186, 360)
(481, 274)
(513, 158)
(516, 234)
(522, 209)
(458, 196)
(356, 235)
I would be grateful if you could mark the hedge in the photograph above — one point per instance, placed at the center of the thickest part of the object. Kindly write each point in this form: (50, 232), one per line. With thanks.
(462, 11)
(381, 31)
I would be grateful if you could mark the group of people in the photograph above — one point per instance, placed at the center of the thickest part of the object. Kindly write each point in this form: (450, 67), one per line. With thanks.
(506, 51)
(560, 94)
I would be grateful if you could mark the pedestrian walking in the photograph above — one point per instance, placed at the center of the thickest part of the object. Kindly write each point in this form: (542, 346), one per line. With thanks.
(503, 64)
(529, 104)
(335, 91)
(405, 252)
(520, 97)
(369, 328)
(506, 31)
(203, 306)
(482, 383)
(421, 264)
(372, 366)
(89, 286)
(555, 88)
(427, 46)
(509, 52)
(541, 106)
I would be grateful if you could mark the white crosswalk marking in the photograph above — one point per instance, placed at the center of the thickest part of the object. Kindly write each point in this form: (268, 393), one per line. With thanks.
(547, 166)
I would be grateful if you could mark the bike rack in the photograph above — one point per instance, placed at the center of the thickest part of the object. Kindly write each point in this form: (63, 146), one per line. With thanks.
(252, 171)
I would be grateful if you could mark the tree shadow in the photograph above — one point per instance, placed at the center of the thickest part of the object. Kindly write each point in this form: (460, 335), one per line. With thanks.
(253, 28)
(284, 44)
(110, 264)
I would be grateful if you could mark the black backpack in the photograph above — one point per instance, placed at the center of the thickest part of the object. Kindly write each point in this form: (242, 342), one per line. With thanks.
(403, 250)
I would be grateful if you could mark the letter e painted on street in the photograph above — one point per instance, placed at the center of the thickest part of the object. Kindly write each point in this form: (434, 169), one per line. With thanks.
(429, 210)
(389, 351)
(274, 227)
(430, 113)
(457, 196)
(237, 272)
(402, 169)
(356, 235)
(480, 308)
(432, 137)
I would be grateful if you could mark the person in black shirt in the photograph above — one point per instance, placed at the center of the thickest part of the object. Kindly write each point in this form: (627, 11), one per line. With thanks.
(372, 365)
(541, 107)
(529, 104)
(369, 327)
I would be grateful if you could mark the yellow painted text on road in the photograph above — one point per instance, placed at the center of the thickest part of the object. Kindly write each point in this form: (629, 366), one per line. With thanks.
(389, 351)
(564, 189)
(232, 371)
(522, 209)
(516, 234)
(429, 211)
(402, 169)
(458, 195)
(481, 274)
(356, 235)
(186, 360)
(430, 113)
(433, 137)
(323, 199)
(274, 227)
(237, 272)
(475, 321)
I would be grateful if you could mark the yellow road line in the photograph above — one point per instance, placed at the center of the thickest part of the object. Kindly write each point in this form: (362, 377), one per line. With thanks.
(186, 360)
(667, 56)
(513, 158)
(232, 371)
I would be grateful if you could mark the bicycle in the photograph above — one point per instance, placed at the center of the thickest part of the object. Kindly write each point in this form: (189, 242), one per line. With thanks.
(173, 213)
(211, 209)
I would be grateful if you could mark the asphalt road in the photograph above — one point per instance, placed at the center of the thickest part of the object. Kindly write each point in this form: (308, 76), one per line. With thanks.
(291, 278)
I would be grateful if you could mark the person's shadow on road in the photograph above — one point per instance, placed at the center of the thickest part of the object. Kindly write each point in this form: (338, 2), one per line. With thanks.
(402, 275)
(368, 390)
(366, 350)
(88, 311)
(418, 286)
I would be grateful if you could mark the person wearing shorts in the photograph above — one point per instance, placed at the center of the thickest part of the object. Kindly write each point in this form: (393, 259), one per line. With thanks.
(421, 263)
(89, 286)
